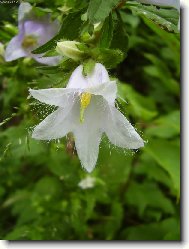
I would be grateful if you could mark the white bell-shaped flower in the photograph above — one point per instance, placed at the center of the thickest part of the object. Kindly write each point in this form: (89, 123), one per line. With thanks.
(86, 107)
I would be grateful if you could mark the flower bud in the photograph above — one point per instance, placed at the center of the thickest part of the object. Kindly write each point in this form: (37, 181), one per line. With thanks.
(69, 49)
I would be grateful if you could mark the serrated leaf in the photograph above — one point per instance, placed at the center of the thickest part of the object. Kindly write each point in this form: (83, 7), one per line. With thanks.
(170, 39)
(164, 18)
(120, 38)
(110, 58)
(106, 33)
(99, 9)
(71, 26)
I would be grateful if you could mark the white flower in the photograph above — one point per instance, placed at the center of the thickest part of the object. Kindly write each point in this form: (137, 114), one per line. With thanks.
(87, 182)
(86, 107)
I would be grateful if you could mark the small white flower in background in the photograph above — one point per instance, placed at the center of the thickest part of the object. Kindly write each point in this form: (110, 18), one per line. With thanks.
(86, 107)
(168, 3)
(88, 182)
(33, 32)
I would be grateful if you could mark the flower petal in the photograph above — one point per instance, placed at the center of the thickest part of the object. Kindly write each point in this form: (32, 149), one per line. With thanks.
(54, 126)
(98, 76)
(50, 29)
(77, 80)
(34, 28)
(14, 49)
(88, 134)
(51, 61)
(42, 30)
(87, 144)
(119, 131)
(54, 96)
(24, 8)
(108, 90)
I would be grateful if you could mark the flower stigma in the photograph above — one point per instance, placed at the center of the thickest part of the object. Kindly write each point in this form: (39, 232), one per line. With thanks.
(85, 100)
(29, 41)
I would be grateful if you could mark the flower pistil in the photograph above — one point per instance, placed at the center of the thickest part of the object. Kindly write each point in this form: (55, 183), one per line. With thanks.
(85, 100)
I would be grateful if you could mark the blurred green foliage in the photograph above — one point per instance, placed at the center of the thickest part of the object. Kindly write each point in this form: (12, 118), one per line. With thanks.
(136, 195)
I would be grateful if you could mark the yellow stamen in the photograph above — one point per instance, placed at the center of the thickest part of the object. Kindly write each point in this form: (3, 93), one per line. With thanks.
(29, 41)
(84, 102)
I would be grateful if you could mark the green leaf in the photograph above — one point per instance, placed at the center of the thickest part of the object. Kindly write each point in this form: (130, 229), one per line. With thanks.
(60, 162)
(47, 46)
(165, 127)
(99, 9)
(106, 33)
(48, 69)
(170, 39)
(18, 142)
(88, 66)
(113, 224)
(117, 165)
(42, 186)
(137, 104)
(153, 231)
(174, 235)
(149, 168)
(71, 26)
(18, 233)
(160, 70)
(2, 191)
(167, 155)
(51, 53)
(70, 30)
(145, 195)
(164, 18)
(110, 58)
(120, 37)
